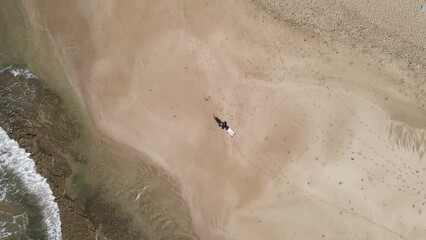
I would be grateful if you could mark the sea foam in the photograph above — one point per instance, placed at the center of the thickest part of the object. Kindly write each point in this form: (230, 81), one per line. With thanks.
(16, 160)
(18, 72)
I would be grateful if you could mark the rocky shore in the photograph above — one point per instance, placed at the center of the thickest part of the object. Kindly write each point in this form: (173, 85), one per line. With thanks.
(40, 122)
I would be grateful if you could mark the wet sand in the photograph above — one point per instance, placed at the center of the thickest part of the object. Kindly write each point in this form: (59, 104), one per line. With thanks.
(330, 137)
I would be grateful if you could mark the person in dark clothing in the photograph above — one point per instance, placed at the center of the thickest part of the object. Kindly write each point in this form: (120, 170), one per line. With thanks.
(223, 125)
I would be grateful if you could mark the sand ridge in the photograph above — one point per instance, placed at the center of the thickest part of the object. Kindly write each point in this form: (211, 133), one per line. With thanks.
(316, 153)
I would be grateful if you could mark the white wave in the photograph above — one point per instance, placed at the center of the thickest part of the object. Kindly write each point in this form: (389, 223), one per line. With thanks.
(3, 191)
(17, 160)
(18, 72)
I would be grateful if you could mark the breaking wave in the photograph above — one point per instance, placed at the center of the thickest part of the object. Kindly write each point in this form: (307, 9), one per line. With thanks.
(16, 160)
(18, 72)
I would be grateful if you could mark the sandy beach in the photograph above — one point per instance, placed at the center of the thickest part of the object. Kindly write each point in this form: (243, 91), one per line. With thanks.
(330, 131)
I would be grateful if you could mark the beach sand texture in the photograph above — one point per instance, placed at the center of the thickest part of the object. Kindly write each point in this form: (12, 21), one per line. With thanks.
(330, 141)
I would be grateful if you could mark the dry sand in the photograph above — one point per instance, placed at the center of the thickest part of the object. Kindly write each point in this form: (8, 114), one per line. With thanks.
(323, 148)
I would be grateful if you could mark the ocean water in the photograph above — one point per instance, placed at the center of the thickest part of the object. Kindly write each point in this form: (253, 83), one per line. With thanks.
(27, 206)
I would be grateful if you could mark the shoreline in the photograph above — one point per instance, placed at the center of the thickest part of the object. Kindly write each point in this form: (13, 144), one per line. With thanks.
(69, 159)
(17, 161)
(46, 148)
(247, 177)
